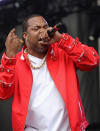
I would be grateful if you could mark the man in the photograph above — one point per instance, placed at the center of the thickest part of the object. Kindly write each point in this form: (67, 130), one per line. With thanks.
(42, 78)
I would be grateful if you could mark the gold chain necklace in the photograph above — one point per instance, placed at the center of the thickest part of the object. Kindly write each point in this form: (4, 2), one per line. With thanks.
(33, 67)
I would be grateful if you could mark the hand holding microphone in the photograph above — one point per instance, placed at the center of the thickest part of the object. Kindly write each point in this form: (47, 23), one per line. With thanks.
(54, 33)
(51, 34)
(54, 29)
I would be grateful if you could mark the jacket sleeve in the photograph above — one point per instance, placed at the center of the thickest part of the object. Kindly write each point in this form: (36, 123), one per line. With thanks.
(84, 57)
(7, 67)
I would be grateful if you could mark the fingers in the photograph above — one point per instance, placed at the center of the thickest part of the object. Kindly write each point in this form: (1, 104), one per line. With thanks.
(50, 28)
(12, 32)
(13, 36)
(13, 43)
(21, 41)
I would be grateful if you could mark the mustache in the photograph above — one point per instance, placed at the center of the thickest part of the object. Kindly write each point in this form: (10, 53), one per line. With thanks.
(44, 39)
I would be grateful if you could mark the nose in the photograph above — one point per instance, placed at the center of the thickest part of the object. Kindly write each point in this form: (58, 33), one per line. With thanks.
(43, 34)
(43, 31)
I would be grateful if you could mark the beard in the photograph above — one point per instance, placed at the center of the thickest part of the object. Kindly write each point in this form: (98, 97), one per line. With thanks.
(39, 48)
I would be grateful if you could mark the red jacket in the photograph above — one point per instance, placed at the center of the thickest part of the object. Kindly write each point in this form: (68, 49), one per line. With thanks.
(63, 58)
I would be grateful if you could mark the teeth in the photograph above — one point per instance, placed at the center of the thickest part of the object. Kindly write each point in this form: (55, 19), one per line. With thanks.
(40, 39)
(45, 40)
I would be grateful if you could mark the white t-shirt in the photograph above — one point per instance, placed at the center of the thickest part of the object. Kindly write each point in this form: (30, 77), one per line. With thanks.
(46, 111)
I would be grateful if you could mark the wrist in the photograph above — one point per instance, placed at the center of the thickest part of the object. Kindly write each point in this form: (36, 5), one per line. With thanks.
(10, 53)
(59, 36)
(63, 41)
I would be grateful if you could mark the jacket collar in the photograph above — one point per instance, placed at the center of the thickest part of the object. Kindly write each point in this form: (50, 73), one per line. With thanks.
(51, 53)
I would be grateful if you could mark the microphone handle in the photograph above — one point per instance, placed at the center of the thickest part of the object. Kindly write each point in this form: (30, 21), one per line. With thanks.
(54, 29)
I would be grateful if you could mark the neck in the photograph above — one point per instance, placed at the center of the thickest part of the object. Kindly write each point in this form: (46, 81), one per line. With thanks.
(39, 55)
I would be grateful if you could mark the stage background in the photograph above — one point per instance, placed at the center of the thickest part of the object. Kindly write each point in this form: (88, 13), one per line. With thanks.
(80, 18)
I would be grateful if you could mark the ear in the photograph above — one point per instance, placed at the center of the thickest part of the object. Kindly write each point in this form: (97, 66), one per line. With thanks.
(24, 35)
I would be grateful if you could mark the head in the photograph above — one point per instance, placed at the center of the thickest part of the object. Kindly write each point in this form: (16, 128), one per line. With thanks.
(32, 28)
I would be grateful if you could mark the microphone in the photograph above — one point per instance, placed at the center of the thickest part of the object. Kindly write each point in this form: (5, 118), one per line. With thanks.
(54, 29)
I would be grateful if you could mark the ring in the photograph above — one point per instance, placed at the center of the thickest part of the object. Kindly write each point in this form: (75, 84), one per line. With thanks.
(21, 41)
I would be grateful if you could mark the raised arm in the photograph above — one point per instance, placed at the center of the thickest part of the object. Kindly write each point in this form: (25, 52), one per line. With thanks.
(7, 66)
(84, 57)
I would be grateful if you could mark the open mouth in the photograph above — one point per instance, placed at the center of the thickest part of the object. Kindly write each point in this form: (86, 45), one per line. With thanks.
(43, 43)
(40, 39)
(44, 40)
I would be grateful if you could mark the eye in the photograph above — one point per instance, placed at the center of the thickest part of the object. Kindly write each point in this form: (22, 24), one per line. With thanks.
(46, 26)
(35, 28)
